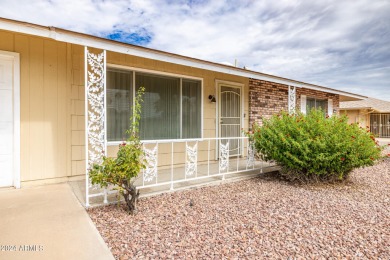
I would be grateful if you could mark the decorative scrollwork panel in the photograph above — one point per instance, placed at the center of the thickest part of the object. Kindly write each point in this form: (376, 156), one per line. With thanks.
(151, 158)
(224, 157)
(192, 159)
(291, 99)
(95, 65)
(250, 160)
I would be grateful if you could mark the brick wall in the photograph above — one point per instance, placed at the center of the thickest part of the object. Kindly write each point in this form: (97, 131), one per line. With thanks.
(268, 98)
(265, 99)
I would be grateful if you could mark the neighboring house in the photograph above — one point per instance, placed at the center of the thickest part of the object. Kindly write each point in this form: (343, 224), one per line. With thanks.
(371, 112)
(43, 101)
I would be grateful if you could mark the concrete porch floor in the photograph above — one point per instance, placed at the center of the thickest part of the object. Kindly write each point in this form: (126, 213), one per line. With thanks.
(47, 222)
(207, 172)
(383, 141)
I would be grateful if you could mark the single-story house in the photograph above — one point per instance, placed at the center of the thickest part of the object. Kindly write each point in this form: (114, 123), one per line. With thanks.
(370, 112)
(46, 137)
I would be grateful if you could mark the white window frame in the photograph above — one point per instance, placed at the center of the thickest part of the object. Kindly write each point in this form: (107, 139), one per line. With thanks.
(319, 99)
(161, 73)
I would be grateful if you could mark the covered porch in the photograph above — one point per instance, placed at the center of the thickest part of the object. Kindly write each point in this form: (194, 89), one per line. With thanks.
(176, 163)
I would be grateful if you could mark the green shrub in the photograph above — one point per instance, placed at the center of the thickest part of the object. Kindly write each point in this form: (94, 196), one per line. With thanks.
(315, 147)
(123, 170)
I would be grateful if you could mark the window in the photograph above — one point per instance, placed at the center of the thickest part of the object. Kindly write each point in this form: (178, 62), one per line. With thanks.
(119, 98)
(171, 108)
(191, 107)
(317, 103)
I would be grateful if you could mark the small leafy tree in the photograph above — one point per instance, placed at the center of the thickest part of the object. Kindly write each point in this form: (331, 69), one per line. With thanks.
(123, 170)
(315, 147)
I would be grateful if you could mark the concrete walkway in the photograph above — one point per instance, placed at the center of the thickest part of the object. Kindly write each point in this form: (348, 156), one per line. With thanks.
(383, 141)
(47, 222)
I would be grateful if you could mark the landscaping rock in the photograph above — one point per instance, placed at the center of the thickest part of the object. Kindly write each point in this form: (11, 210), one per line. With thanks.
(257, 218)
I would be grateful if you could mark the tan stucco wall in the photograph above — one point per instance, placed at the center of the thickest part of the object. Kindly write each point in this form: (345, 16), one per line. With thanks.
(52, 103)
(360, 116)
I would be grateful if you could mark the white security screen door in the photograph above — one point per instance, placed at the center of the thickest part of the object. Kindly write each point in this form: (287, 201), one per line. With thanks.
(230, 117)
(380, 125)
(6, 122)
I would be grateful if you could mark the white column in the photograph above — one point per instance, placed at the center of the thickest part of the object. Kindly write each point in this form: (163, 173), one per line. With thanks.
(291, 99)
(330, 107)
(95, 111)
(303, 104)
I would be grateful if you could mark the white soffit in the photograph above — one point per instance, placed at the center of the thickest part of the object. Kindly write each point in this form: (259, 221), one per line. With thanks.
(109, 45)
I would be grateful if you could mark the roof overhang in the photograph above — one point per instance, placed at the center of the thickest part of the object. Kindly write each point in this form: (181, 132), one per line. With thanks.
(373, 110)
(355, 108)
(63, 35)
(344, 97)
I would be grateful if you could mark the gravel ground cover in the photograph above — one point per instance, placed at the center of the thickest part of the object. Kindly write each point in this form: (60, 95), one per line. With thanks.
(257, 219)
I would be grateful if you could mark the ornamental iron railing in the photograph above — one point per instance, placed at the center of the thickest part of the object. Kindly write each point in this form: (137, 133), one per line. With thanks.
(172, 163)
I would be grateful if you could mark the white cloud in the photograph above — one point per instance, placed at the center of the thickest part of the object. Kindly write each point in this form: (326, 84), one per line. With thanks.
(339, 44)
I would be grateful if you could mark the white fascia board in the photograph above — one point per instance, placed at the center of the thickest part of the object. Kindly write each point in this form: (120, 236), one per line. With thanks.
(150, 54)
(24, 28)
(165, 57)
(333, 91)
(86, 40)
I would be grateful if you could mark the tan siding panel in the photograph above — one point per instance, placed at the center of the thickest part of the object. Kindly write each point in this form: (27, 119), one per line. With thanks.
(45, 113)
(36, 138)
(50, 109)
(22, 47)
(69, 64)
(77, 107)
(63, 113)
(6, 41)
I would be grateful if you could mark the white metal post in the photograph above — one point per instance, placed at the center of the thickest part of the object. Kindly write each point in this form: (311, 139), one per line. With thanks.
(86, 125)
(157, 163)
(143, 170)
(238, 154)
(208, 158)
(196, 163)
(219, 155)
(223, 174)
(104, 113)
(185, 165)
(172, 166)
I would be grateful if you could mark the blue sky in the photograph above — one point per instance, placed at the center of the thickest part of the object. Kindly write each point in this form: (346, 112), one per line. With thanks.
(340, 44)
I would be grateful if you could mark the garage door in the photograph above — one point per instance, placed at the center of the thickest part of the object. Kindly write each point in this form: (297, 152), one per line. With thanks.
(6, 122)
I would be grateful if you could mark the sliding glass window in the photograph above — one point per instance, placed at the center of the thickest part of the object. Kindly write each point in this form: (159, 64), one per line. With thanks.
(119, 103)
(191, 107)
(313, 103)
(171, 107)
(160, 118)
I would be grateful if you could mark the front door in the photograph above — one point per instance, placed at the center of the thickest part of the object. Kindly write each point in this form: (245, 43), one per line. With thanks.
(230, 117)
(6, 122)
